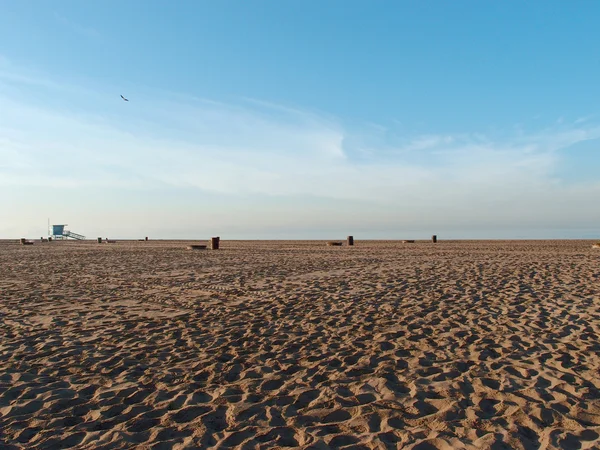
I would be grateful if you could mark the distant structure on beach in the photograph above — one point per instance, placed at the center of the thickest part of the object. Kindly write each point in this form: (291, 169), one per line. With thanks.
(59, 232)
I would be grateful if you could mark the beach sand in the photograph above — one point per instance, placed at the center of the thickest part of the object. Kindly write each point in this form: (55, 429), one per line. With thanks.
(474, 344)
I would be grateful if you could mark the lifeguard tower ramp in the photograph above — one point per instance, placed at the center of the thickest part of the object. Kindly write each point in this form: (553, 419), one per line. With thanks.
(59, 232)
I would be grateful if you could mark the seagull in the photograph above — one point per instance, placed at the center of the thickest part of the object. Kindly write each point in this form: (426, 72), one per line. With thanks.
(124, 98)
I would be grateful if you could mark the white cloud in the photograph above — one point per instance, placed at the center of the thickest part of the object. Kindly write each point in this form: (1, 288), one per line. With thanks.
(257, 150)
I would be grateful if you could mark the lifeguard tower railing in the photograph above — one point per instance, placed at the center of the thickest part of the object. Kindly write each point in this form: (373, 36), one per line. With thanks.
(59, 232)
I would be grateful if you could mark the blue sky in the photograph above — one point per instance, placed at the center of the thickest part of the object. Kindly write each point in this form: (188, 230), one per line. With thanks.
(300, 119)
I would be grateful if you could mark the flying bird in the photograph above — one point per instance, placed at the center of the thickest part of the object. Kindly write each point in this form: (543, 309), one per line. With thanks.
(124, 98)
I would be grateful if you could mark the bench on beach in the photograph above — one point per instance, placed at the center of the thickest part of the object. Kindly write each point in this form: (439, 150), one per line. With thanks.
(197, 247)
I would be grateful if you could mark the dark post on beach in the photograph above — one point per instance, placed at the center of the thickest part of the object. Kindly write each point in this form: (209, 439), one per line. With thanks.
(434, 238)
(214, 243)
(350, 240)
(99, 240)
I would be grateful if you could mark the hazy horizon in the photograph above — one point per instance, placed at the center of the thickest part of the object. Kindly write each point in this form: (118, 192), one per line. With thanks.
(287, 235)
(300, 120)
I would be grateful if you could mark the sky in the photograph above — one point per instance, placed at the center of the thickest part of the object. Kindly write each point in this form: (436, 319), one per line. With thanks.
(295, 119)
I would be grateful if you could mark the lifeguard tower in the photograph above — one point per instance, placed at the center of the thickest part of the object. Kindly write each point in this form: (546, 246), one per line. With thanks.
(59, 232)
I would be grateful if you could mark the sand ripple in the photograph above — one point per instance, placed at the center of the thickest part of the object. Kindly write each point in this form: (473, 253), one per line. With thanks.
(295, 344)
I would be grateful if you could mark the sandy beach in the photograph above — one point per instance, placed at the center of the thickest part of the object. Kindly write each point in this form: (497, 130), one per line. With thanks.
(461, 344)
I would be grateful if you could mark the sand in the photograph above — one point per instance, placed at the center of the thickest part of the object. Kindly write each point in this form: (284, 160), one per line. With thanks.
(487, 345)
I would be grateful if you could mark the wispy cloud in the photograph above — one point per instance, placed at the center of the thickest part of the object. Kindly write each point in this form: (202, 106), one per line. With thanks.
(429, 142)
(82, 30)
(583, 119)
(256, 148)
